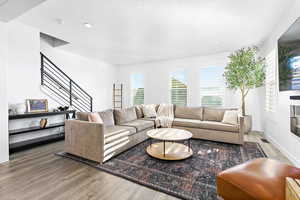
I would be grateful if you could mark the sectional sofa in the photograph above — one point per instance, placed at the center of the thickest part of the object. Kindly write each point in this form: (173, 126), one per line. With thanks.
(123, 129)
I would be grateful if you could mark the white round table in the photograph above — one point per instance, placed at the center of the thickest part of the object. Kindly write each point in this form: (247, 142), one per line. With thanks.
(169, 148)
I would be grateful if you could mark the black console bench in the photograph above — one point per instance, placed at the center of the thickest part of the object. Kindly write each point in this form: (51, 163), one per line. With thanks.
(37, 140)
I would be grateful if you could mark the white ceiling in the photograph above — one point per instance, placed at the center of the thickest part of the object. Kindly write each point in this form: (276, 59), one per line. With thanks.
(10, 9)
(137, 31)
(292, 34)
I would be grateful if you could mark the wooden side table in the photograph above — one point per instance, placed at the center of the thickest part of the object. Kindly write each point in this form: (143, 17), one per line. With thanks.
(292, 189)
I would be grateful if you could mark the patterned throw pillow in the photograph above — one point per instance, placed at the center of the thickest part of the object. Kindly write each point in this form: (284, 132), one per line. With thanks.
(149, 110)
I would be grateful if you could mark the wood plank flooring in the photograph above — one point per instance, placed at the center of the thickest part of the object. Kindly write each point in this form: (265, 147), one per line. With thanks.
(39, 174)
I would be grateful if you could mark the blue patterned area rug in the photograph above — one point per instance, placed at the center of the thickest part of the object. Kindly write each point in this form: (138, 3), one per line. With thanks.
(193, 178)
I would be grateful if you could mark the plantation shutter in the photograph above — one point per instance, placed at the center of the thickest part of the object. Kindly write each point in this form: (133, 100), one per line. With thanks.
(179, 88)
(138, 96)
(271, 81)
(212, 87)
(137, 82)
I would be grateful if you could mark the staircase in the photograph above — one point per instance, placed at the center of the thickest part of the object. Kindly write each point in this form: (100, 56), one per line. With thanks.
(62, 88)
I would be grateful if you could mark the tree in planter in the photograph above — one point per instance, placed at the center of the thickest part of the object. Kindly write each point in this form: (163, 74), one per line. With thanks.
(245, 71)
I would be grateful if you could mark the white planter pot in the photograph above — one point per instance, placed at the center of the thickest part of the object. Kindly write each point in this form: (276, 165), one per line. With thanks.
(248, 123)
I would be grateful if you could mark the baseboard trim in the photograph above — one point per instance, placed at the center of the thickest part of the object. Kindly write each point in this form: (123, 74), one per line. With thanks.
(292, 158)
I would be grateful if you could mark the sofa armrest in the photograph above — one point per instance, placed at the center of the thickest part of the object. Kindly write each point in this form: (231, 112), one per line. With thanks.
(241, 129)
(84, 139)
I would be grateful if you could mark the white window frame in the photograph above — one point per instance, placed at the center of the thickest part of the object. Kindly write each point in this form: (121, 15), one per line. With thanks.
(133, 89)
(271, 81)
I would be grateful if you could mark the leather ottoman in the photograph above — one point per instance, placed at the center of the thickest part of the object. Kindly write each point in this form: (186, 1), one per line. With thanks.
(259, 179)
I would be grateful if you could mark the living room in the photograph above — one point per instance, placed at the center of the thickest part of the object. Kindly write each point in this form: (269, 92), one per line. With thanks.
(157, 99)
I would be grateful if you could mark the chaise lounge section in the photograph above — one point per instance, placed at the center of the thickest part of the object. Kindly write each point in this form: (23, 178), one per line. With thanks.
(125, 128)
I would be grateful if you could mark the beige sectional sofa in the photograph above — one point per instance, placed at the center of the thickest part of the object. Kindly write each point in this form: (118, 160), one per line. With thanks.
(119, 131)
(206, 123)
(122, 129)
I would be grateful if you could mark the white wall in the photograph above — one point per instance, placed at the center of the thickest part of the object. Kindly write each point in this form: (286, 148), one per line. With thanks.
(277, 124)
(23, 72)
(23, 81)
(3, 94)
(93, 76)
(157, 82)
(20, 48)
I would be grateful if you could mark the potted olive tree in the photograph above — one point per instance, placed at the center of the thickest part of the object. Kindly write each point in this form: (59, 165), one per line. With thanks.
(244, 72)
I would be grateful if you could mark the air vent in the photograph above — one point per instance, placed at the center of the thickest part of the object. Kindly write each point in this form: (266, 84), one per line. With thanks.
(53, 41)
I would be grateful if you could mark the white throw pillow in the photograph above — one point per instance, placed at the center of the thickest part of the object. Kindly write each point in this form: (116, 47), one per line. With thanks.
(230, 117)
(149, 110)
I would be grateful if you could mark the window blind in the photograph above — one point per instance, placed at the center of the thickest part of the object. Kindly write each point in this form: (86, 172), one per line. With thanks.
(178, 88)
(270, 81)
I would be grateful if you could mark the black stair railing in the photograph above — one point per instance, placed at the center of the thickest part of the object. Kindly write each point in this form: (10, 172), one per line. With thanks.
(63, 87)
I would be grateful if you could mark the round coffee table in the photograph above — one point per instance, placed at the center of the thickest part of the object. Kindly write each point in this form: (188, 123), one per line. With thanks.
(169, 149)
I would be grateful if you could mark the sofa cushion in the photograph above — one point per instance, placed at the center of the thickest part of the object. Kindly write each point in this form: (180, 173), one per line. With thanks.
(125, 115)
(139, 124)
(139, 111)
(107, 117)
(153, 119)
(156, 107)
(95, 117)
(114, 133)
(230, 117)
(215, 114)
(150, 110)
(83, 116)
(189, 112)
(210, 125)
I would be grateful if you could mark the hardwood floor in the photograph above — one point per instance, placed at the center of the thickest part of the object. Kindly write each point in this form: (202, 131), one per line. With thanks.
(39, 174)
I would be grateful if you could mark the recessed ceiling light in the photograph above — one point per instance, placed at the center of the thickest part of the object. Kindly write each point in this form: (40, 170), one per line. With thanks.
(59, 21)
(87, 25)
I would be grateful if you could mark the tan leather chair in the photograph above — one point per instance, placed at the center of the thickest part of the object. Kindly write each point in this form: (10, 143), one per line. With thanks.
(259, 179)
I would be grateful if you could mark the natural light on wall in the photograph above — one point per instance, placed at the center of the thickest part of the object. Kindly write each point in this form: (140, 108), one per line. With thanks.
(212, 87)
(178, 88)
(137, 89)
(271, 81)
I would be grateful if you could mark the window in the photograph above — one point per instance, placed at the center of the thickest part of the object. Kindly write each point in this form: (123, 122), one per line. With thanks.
(137, 87)
(178, 88)
(212, 86)
(271, 81)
